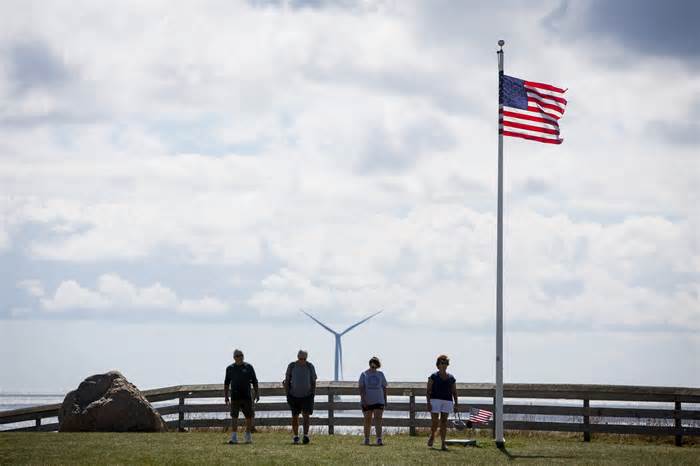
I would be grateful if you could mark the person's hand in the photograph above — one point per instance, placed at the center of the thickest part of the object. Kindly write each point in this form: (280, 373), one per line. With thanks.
(257, 397)
(227, 401)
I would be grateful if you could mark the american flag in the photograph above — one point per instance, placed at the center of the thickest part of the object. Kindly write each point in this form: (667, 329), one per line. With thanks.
(530, 110)
(478, 416)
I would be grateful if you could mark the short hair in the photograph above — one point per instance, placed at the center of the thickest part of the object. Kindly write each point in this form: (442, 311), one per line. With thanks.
(375, 360)
(442, 357)
(237, 352)
(302, 353)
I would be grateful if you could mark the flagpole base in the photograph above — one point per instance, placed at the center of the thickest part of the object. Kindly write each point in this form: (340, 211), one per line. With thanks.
(501, 445)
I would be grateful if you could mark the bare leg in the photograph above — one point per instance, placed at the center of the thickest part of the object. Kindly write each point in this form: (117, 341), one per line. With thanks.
(295, 425)
(378, 414)
(306, 423)
(368, 423)
(443, 427)
(249, 424)
(433, 427)
(234, 424)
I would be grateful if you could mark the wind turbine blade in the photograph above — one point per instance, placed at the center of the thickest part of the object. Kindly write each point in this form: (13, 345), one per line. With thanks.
(320, 323)
(360, 322)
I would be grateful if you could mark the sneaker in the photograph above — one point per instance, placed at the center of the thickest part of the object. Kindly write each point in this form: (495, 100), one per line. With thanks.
(295, 440)
(379, 442)
(233, 440)
(366, 441)
(444, 447)
(431, 439)
(306, 439)
(248, 437)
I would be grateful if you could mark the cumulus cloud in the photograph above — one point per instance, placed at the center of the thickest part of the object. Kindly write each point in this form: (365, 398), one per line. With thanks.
(114, 293)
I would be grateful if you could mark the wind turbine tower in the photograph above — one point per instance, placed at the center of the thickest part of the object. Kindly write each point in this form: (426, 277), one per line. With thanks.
(338, 341)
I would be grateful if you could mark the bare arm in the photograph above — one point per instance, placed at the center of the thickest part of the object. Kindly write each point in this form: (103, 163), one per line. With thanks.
(361, 388)
(227, 381)
(427, 394)
(454, 393)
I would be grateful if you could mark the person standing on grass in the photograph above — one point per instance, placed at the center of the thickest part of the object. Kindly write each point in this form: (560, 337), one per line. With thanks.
(372, 385)
(300, 386)
(239, 377)
(442, 390)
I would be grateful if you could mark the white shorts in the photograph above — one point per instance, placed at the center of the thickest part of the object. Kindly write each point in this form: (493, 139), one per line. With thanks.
(441, 406)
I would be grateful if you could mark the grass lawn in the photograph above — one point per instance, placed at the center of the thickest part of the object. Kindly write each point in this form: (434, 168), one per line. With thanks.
(276, 448)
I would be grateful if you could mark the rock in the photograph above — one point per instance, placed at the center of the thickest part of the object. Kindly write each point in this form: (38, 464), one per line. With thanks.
(108, 403)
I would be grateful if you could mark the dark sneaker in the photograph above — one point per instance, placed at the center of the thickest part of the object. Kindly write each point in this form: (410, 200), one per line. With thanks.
(365, 441)
(443, 447)
(431, 439)
(306, 439)
(380, 443)
(295, 440)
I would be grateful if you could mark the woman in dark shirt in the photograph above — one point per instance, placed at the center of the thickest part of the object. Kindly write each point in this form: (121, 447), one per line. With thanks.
(442, 390)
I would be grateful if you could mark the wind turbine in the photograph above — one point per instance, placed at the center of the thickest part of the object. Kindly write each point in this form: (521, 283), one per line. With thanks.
(338, 342)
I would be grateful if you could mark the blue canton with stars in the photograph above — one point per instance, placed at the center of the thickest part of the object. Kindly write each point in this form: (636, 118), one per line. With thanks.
(512, 92)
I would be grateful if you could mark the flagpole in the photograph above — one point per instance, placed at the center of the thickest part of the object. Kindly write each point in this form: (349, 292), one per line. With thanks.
(498, 420)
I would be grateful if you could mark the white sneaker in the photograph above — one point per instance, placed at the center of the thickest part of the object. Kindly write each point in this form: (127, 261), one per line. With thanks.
(248, 437)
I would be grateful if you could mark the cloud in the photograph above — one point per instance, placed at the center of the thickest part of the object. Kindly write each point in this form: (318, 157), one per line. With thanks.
(32, 287)
(33, 65)
(70, 295)
(114, 293)
(343, 175)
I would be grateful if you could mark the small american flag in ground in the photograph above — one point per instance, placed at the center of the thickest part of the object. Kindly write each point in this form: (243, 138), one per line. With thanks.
(530, 110)
(478, 416)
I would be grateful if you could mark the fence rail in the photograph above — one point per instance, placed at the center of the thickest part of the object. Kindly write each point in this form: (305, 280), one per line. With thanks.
(403, 412)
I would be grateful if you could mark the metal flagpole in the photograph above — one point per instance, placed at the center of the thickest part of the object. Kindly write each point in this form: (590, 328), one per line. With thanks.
(498, 420)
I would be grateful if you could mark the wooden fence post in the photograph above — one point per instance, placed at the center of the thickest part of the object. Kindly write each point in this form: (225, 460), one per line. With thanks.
(181, 414)
(678, 423)
(586, 421)
(331, 413)
(412, 415)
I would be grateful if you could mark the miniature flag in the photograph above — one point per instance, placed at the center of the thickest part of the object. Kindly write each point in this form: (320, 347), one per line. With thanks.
(530, 110)
(479, 416)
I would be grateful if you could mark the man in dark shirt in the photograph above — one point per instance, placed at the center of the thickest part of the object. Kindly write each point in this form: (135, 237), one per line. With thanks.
(239, 376)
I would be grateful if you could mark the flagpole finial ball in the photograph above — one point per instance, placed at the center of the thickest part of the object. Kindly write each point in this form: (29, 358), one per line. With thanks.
(501, 42)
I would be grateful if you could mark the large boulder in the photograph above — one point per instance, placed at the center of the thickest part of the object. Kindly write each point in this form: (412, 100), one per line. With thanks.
(108, 403)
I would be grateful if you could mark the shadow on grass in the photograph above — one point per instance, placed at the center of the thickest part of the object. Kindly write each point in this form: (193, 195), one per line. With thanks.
(511, 456)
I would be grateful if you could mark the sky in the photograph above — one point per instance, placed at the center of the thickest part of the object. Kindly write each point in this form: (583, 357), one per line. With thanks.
(181, 179)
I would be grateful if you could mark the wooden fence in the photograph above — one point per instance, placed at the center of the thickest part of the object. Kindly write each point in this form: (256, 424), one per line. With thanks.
(531, 404)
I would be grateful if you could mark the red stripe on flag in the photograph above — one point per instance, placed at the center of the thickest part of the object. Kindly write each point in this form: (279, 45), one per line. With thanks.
(538, 129)
(559, 110)
(548, 87)
(554, 118)
(530, 117)
(533, 138)
(548, 96)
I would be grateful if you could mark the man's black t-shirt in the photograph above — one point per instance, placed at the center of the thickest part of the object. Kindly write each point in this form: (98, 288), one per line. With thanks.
(240, 378)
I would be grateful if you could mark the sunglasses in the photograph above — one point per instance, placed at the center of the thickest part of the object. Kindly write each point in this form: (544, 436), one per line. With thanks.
(447, 363)
(238, 356)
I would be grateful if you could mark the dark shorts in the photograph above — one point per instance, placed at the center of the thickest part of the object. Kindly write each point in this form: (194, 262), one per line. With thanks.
(372, 407)
(242, 405)
(303, 405)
